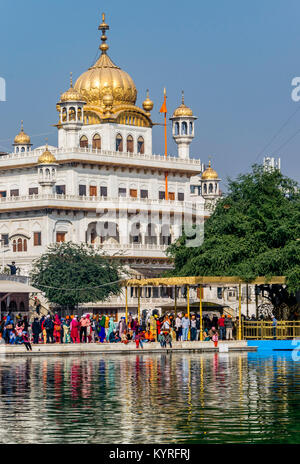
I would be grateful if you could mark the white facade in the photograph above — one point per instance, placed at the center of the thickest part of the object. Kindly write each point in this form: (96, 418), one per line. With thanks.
(104, 187)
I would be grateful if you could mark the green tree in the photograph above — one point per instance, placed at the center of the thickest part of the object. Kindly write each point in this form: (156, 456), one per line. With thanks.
(70, 274)
(253, 231)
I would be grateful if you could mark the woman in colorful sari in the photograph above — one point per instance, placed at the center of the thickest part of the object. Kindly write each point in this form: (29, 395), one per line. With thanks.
(101, 329)
(111, 327)
(75, 330)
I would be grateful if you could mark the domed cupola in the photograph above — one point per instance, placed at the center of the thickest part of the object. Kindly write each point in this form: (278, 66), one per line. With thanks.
(22, 141)
(104, 77)
(183, 128)
(47, 170)
(210, 183)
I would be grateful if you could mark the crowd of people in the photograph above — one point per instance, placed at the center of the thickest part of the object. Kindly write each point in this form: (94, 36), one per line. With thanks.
(98, 328)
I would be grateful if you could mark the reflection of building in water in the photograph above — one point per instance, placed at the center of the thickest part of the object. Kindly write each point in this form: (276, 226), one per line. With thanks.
(148, 398)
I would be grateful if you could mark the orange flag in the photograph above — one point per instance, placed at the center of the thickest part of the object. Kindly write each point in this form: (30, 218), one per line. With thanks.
(164, 105)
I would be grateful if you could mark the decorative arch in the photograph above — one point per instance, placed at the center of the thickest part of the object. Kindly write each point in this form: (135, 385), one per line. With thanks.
(129, 144)
(83, 142)
(119, 142)
(141, 145)
(96, 142)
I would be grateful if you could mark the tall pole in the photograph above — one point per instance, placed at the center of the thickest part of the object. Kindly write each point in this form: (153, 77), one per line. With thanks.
(247, 296)
(126, 304)
(166, 145)
(139, 304)
(200, 303)
(188, 305)
(240, 312)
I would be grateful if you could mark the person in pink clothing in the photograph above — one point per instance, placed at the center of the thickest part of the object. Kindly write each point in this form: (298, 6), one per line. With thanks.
(83, 328)
(57, 328)
(75, 330)
(88, 328)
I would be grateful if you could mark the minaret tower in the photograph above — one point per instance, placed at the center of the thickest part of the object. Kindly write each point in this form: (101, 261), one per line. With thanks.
(183, 128)
(47, 170)
(22, 142)
(71, 117)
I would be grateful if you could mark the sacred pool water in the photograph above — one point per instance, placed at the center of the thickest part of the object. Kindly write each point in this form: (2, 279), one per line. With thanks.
(163, 398)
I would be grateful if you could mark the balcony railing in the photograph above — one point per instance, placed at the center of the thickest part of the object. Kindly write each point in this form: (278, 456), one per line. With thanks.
(94, 199)
(93, 151)
(130, 246)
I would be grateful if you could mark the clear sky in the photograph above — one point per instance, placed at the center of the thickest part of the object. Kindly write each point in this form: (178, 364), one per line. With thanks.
(235, 60)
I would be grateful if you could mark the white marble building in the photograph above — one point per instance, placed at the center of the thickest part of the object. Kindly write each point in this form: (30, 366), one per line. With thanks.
(102, 184)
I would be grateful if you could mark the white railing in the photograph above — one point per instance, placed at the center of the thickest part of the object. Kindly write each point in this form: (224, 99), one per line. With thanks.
(130, 246)
(93, 151)
(95, 199)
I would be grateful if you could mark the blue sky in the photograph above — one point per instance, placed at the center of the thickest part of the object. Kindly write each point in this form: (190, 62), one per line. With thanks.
(235, 60)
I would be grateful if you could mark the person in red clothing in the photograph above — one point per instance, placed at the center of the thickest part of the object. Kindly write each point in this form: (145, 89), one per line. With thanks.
(158, 326)
(75, 330)
(221, 327)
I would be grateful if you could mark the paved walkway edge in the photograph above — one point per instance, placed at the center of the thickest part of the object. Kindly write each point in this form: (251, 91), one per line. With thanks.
(119, 348)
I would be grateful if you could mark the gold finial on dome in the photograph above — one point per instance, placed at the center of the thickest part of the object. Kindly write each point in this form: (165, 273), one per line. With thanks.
(47, 157)
(148, 104)
(106, 77)
(182, 110)
(22, 138)
(209, 173)
(103, 27)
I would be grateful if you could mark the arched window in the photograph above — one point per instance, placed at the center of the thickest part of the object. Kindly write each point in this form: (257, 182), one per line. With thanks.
(22, 149)
(84, 142)
(176, 128)
(79, 114)
(72, 114)
(141, 145)
(205, 188)
(119, 143)
(97, 141)
(184, 128)
(191, 128)
(20, 245)
(64, 115)
(210, 188)
(130, 144)
(25, 245)
(14, 246)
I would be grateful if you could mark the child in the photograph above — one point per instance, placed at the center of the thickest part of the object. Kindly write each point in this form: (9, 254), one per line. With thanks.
(168, 339)
(26, 341)
(161, 339)
(215, 337)
(139, 340)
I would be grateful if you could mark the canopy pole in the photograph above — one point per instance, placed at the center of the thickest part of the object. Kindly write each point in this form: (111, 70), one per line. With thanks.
(240, 313)
(200, 307)
(139, 303)
(188, 306)
(175, 301)
(126, 304)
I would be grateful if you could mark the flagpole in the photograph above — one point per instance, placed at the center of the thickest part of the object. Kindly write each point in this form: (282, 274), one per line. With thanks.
(166, 146)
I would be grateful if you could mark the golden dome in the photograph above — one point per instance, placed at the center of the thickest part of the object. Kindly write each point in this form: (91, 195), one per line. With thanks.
(148, 104)
(22, 138)
(71, 95)
(47, 157)
(104, 77)
(182, 110)
(209, 173)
